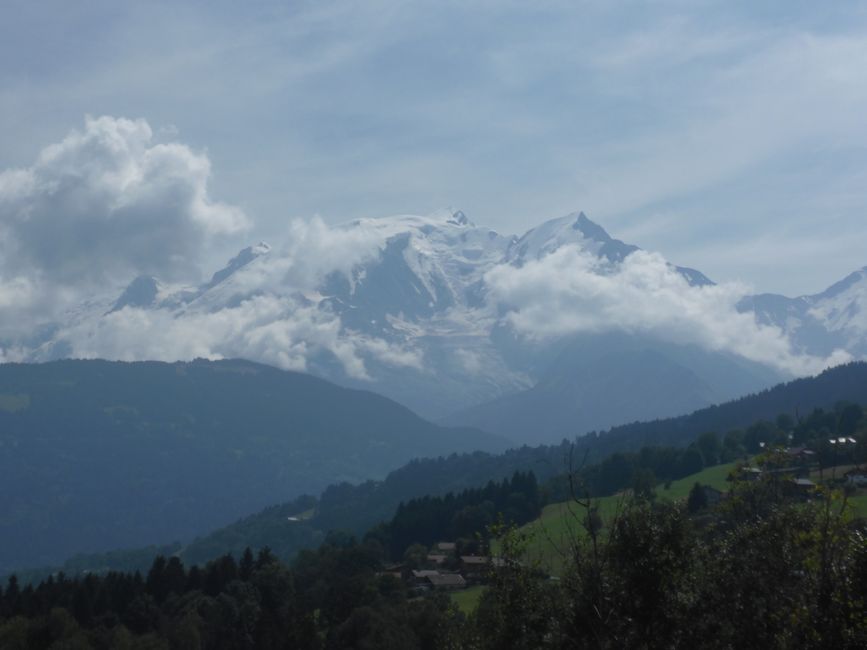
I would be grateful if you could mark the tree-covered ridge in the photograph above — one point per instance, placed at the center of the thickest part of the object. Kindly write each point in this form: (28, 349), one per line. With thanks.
(96, 455)
(463, 515)
(771, 564)
(357, 508)
(846, 382)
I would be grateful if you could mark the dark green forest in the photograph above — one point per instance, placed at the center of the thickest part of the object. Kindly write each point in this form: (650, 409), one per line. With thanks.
(847, 382)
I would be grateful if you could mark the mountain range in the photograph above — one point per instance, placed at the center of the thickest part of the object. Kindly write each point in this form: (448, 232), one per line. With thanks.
(467, 326)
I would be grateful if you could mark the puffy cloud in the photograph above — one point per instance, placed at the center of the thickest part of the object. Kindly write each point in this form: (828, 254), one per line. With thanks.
(109, 202)
(312, 251)
(571, 291)
(279, 330)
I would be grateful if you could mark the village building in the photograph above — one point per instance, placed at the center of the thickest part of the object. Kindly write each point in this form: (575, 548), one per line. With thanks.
(447, 581)
(856, 477)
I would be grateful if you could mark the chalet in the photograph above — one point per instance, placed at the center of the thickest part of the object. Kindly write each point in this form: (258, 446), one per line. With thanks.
(804, 487)
(420, 575)
(856, 477)
(800, 452)
(475, 567)
(447, 581)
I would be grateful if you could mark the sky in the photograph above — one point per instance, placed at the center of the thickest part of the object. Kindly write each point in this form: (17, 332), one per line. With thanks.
(729, 137)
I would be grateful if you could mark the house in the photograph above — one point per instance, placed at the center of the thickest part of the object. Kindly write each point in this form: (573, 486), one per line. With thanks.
(436, 558)
(749, 473)
(447, 581)
(475, 566)
(804, 487)
(448, 547)
(856, 477)
(420, 575)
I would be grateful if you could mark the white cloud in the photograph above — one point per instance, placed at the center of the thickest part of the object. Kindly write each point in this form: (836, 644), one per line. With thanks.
(107, 203)
(570, 291)
(273, 329)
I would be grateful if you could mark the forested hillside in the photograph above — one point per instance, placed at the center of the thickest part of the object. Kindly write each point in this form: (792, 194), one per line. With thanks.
(847, 382)
(652, 452)
(763, 568)
(98, 455)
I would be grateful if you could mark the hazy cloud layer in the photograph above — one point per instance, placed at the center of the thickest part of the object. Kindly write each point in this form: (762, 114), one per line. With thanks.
(270, 328)
(570, 291)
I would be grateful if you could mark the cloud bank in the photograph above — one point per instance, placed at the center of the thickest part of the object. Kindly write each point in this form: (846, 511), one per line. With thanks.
(571, 291)
(275, 329)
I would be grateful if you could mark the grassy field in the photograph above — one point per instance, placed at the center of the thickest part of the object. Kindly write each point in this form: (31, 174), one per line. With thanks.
(467, 599)
(858, 503)
(714, 476)
(551, 535)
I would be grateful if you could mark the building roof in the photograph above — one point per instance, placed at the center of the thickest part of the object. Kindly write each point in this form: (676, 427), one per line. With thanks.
(474, 559)
(447, 580)
(446, 546)
(803, 482)
(799, 451)
(424, 573)
(437, 558)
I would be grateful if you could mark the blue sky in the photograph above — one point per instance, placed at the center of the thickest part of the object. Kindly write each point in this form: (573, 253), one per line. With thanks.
(728, 136)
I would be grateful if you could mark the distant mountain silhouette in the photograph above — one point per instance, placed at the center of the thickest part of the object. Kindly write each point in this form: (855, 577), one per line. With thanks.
(96, 455)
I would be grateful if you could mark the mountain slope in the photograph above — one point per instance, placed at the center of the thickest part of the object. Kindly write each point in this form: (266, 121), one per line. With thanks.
(598, 381)
(820, 323)
(844, 383)
(356, 508)
(99, 455)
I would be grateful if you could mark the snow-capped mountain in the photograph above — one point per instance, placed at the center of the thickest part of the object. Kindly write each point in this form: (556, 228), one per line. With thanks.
(446, 316)
(820, 323)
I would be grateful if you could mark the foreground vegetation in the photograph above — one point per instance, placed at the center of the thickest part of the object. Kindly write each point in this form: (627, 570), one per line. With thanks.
(630, 552)
(764, 568)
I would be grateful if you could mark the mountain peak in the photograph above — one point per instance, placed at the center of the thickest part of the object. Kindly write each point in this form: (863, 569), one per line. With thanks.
(590, 229)
(141, 292)
(240, 260)
(460, 219)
